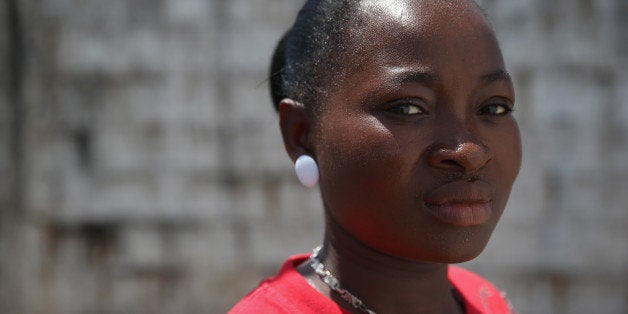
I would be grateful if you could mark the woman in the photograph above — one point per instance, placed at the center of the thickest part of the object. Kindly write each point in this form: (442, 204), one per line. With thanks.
(403, 108)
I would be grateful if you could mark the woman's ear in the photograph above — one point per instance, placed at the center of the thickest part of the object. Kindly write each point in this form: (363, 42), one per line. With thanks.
(296, 122)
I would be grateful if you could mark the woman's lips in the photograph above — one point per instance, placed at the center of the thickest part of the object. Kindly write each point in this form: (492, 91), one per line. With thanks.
(461, 203)
(463, 214)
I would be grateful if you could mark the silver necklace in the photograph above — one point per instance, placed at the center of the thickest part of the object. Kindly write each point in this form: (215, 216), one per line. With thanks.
(329, 279)
(333, 283)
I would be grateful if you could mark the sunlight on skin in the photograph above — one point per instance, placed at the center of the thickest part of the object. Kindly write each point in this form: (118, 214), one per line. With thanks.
(389, 11)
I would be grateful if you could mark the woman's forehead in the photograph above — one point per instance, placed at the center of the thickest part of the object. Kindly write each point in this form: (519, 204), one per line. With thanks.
(400, 31)
(387, 11)
(421, 13)
(447, 41)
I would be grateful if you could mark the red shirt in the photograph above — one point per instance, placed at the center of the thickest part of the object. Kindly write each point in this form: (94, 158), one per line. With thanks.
(289, 292)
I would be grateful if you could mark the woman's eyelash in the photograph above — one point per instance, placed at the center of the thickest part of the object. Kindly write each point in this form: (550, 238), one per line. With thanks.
(496, 109)
(406, 109)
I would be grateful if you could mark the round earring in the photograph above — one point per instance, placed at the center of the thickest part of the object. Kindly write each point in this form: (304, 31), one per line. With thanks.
(307, 170)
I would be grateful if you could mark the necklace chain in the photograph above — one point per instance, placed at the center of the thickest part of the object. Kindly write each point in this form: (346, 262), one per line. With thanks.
(329, 279)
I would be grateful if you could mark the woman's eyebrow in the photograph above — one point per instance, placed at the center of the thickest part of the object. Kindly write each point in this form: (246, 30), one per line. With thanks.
(401, 77)
(422, 77)
(499, 75)
(430, 79)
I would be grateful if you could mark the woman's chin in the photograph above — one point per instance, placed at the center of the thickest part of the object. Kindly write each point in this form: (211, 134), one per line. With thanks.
(446, 253)
(460, 258)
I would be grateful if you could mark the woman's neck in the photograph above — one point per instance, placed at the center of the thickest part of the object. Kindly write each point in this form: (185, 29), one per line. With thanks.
(386, 284)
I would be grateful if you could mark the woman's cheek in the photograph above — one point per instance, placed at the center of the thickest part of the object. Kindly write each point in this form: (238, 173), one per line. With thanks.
(509, 152)
(362, 171)
(355, 152)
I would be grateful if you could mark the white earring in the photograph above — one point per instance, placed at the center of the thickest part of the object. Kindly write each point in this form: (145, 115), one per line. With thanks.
(307, 170)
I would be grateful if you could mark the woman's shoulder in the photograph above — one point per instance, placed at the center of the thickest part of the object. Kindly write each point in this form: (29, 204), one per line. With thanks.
(286, 292)
(479, 295)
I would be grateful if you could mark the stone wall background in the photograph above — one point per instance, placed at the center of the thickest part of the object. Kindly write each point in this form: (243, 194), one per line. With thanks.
(143, 171)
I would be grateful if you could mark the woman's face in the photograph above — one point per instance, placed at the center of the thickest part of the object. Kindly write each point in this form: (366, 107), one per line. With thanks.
(417, 148)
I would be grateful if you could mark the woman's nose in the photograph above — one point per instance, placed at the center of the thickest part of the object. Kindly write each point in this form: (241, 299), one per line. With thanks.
(465, 156)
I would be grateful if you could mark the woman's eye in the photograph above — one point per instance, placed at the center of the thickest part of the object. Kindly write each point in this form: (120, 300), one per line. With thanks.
(496, 110)
(406, 109)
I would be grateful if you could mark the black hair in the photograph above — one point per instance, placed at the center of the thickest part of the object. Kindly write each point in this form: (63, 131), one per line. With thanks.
(307, 59)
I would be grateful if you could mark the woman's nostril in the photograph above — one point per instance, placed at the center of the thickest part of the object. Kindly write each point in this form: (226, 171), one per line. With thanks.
(450, 162)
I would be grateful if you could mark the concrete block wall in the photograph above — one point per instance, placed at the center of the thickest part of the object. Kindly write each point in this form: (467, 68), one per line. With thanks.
(151, 176)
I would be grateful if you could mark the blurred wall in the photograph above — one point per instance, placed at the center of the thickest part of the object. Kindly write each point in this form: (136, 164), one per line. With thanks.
(143, 171)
